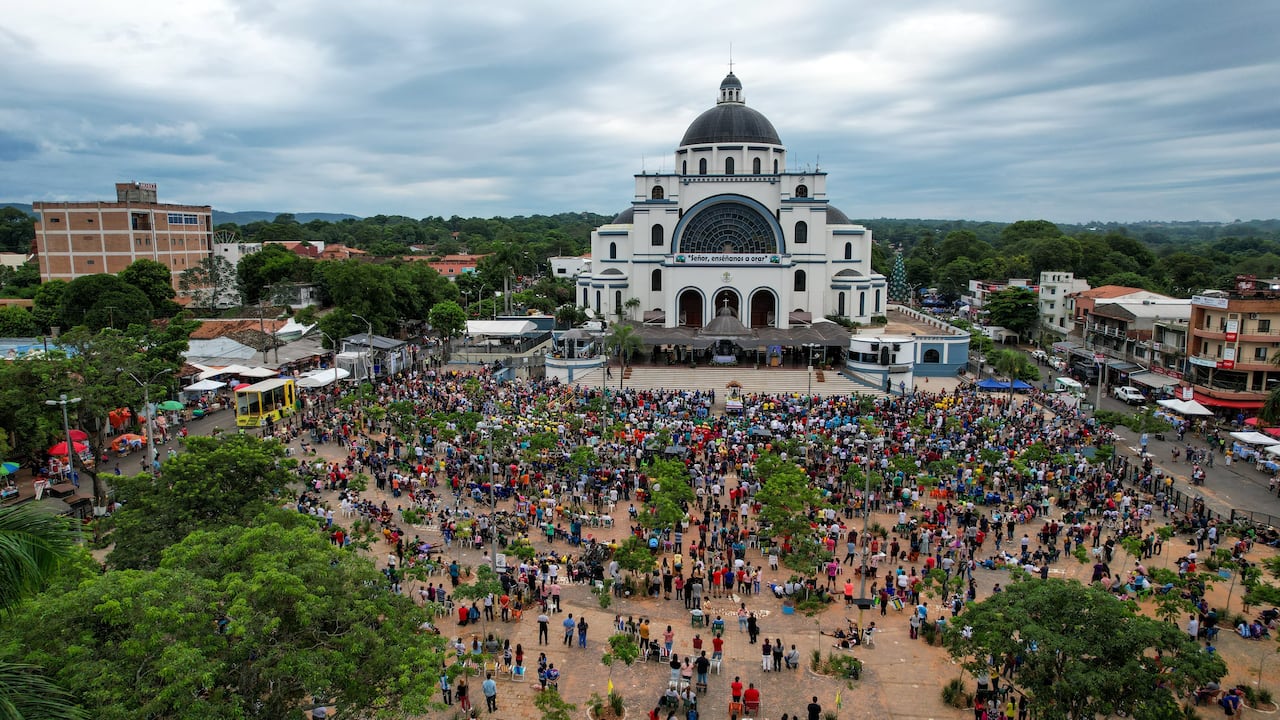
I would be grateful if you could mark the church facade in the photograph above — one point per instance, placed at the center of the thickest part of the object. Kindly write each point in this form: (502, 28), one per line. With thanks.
(732, 227)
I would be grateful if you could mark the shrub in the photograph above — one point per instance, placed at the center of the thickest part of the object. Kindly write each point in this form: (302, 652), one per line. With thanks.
(955, 694)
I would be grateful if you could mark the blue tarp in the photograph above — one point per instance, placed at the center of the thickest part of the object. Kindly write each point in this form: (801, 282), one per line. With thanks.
(989, 384)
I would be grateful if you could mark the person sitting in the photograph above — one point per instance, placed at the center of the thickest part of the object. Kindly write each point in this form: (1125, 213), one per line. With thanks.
(1243, 630)
(1207, 692)
(793, 658)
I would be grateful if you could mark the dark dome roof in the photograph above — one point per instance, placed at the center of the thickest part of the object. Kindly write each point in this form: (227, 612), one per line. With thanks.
(836, 216)
(729, 81)
(626, 217)
(731, 122)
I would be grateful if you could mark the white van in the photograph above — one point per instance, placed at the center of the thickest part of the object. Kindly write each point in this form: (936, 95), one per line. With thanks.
(1067, 385)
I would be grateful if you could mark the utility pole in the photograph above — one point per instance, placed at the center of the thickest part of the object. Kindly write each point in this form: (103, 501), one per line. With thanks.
(66, 431)
(147, 409)
(866, 516)
(368, 357)
(489, 429)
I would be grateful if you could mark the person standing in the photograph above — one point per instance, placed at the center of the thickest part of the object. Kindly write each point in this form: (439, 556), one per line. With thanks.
(766, 655)
(753, 628)
(446, 689)
(582, 632)
(490, 690)
(815, 710)
(464, 700)
(543, 621)
(568, 630)
(777, 654)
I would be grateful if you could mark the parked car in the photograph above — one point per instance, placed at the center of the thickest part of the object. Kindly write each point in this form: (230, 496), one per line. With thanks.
(1129, 394)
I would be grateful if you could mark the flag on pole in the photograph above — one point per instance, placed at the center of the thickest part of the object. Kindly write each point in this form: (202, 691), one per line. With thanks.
(838, 703)
(610, 691)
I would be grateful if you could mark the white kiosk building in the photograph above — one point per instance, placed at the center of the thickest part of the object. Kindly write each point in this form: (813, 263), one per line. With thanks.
(733, 231)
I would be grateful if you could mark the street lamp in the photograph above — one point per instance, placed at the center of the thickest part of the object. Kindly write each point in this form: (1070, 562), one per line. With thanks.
(146, 401)
(66, 431)
(878, 442)
(488, 429)
(333, 350)
(368, 357)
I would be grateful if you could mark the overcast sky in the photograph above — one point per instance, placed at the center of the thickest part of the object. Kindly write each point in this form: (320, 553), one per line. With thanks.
(1002, 110)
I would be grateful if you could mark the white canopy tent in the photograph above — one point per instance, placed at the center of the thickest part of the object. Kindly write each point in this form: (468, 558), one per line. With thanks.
(260, 372)
(237, 370)
(204, 386)
(322, 378)
(1253, 438)
(1273, 451)
(1185, 407)
(500, 328)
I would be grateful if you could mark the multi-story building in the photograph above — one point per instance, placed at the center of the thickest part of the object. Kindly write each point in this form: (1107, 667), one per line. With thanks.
(1235, 339)
(979, 290)
(74, 239)
(1080, 304)
(1055, 310)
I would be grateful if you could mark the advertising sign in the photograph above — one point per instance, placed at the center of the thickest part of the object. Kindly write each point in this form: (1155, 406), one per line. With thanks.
(1207, 301)
(1233, 328)
(1228, 360)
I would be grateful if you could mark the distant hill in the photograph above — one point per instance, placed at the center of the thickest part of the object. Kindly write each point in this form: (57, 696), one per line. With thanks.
(250, 216)
(239, 218)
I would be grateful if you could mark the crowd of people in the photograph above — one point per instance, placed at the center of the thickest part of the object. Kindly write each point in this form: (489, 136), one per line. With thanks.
(976, 481)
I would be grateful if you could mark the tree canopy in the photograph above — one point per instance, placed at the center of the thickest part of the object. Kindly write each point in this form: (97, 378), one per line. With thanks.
(1084, 652)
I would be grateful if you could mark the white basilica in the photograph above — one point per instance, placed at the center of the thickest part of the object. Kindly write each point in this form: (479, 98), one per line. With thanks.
(732, 232)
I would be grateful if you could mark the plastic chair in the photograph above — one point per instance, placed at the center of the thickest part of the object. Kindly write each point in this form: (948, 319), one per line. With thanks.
(518, 674)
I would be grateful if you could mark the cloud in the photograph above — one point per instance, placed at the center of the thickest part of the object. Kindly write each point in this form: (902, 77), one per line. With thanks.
(974, 108)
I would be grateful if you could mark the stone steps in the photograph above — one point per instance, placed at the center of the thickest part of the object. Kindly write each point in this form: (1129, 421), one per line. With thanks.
(764, 380)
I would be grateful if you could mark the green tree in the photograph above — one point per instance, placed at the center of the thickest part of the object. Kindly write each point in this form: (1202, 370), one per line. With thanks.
(1014, 308)
(34, 544)
(211, 283)
(156, 282)
(17, 230)
(1013, 365)
(237, 622)
(448, 319)
(623, 342)
(486, 583)
(788, 501)
(217, 481)
(1074, 670)
(270, 265)
(47, 304)
(99, 301)
(17, 321)
(671, 493)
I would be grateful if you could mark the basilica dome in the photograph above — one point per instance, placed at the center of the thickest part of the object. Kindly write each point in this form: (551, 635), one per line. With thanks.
(731, 120)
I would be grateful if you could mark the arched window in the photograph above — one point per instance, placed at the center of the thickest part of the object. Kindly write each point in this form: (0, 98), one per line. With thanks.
(657, 193)
(799, 284)
(755, 166)
(617, 301)
(613, 251)
(862, 304)
(802, 191)
(839, 305)
(728, 166)
(655, 281)
(585, 298)
(932, 356)
(655, 236)
(877, 302)
(775, 166)
(684, 167)
(848, 251)
(802, 232)
(597, 301)
(702, 166)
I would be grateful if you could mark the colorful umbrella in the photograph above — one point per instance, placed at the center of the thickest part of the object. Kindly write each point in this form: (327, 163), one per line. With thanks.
(61, 448)
(79, 435)
(8, 468)
(170, 405)
(127, 439)
(241, 386)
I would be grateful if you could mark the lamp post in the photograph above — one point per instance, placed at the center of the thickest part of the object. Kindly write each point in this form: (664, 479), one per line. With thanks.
(368, 357)
(333, 351)
(64, 401)
(489, 429)
(866, 517)
(146, 402)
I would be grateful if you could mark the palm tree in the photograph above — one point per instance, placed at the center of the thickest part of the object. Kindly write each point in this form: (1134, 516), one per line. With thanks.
(33, 545)
(623, 342)
(1013, 365)
(632, 304)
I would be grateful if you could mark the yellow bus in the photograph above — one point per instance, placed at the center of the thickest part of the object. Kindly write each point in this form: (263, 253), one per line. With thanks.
(266, 401)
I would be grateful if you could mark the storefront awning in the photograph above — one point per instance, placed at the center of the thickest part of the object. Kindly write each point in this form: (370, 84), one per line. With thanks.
(1225, 403)
(1153, 380)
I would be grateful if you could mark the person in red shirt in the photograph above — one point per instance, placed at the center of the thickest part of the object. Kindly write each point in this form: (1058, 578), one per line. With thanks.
(717, 647)
(735, 689)
(751, 698)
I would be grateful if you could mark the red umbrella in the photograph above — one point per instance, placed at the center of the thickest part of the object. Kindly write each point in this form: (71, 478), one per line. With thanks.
(61, 448)
(241, 386)
(79, 435)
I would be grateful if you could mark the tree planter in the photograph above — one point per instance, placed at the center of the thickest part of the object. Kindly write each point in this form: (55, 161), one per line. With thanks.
(1264, 708)
(606, 714)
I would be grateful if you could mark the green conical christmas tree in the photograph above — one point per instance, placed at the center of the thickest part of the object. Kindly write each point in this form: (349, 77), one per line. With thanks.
(898, 290)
